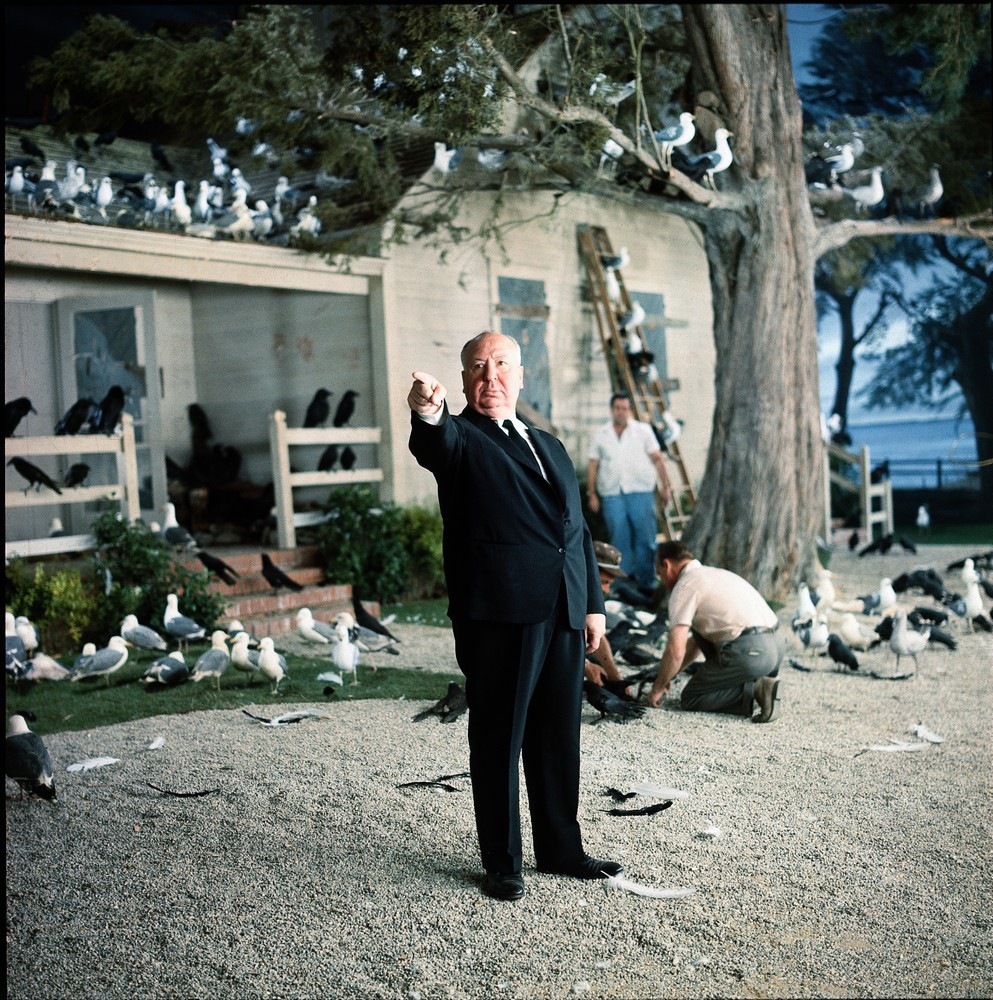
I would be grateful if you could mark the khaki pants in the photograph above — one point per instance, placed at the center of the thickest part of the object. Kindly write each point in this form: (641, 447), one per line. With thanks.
(724, 681)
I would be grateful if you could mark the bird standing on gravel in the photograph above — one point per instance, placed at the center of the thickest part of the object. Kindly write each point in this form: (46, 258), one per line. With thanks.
(447, 709)
(26, 760)
(906, 641)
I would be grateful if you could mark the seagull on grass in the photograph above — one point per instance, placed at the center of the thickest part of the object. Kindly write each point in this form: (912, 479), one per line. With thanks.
(167, 671)
(178, 625)
(104, 661)
(345, 654)
(141, 636)
(311, 630)
(215, 661)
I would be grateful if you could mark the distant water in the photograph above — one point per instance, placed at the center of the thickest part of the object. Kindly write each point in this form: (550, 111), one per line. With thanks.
(913, 448)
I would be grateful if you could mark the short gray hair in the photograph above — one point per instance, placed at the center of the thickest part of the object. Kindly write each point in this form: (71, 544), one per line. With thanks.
(469, 344)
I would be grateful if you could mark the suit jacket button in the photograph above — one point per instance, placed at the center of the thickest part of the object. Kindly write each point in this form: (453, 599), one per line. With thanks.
(562, 550)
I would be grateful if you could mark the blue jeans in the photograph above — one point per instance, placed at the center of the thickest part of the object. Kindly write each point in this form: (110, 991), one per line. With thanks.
(633, 528)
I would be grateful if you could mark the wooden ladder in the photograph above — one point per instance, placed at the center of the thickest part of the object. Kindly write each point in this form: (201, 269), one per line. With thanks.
(611, 305)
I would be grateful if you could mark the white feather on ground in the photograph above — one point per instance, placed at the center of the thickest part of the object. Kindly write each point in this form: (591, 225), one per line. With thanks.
(92, 762)
(619, 882)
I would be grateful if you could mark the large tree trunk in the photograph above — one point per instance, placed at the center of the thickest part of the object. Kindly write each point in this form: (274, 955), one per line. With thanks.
(974, 375)
(760, 503)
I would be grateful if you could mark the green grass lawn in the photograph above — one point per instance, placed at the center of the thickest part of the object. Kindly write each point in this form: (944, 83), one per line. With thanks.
(978, 535)
(64, 705)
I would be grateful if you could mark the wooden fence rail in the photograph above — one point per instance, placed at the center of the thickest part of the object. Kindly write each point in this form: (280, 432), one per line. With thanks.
(125, 490)
(281, 439)
(875, 499)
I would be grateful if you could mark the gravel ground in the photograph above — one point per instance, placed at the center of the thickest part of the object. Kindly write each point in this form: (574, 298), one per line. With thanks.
(306, 872)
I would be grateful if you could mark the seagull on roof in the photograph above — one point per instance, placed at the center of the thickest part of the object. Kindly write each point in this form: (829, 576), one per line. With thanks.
(104, 661)
(869, 195)
(214, 661)
(673, 136)
(307, 221)
(179, 626)
(27, 761)
(46, 189)
(141, 636)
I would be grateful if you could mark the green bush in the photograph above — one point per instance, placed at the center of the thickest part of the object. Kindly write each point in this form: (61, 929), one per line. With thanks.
(60, 604)
(381, 550)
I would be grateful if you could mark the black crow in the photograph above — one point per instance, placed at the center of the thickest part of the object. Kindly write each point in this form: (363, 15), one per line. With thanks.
(319, 409)
(346, 407)
(853, 541)
(609, 704)
(841, 652)
(77, 474)
(906, 544)
(111, 407)
(218, 566)
(365, 619)
(75, 417)
(328, 458)
(880, 545)
(35, 476)
(347, 458)
(15, 411)
(449, 708)
(276, 577)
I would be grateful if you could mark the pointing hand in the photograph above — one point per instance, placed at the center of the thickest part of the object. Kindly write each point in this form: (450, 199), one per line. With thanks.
(426, 394)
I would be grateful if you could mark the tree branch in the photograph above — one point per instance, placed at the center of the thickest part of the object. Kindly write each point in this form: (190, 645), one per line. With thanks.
(836, 234)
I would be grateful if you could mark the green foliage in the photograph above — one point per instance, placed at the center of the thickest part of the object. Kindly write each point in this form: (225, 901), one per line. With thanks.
(134, 572)
(59, 603)
(422, 535)
(362, 544)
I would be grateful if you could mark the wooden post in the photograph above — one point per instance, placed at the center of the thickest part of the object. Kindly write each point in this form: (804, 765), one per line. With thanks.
(127, 471)
(865, 491)
(280, 457)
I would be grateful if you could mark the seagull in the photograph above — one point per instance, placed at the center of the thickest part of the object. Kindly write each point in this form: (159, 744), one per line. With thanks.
(704, 166)
(868, 195)
(805, 606)
(841, 652)
(46, 189)
(242, 658)
(214, 661)
(141, 636)
(634, 318)
(929, 199)
(443, 157)
(17, 655)
(610, 153)
(168, 670)
(275, 577)
(235, 626)
(673, 136)
(26, 760)
(614, 262)
(36, 477)
(85, 655)
(307, 221)
(853, 635)
(814, 635)
(906, 641)
(104, 661)
(202, 210)
(312, 630)
(448, 708)
(76, 476)
(179, 206)
(611, 93)
(923, 518)
(179, 626)
(345, 409)
(319, 409)
(56, 529)
(42, 667)
(345, 654)
(174, 533)
(27, 633)
(975, 612)
(824, 597)
(271, 664)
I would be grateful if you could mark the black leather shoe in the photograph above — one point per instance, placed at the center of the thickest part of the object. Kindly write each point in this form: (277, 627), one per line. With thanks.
(503, 885)
(587, 867)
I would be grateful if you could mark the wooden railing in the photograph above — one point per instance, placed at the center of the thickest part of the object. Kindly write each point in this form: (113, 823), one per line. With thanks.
(281, 439)
(875, 499)
(125, 490)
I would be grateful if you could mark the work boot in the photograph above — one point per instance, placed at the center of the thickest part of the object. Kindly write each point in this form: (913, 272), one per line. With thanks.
(765, 692)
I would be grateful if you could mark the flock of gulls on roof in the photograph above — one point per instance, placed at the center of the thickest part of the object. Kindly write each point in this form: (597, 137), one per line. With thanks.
(220, 204)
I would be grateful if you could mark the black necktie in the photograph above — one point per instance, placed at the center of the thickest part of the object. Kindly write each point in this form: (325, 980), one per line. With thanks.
(521, 446)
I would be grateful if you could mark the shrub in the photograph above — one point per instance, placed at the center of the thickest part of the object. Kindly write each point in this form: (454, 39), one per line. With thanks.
(58, 602)
(381, 550)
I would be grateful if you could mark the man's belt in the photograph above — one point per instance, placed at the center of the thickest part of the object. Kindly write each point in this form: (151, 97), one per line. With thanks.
(757, 630)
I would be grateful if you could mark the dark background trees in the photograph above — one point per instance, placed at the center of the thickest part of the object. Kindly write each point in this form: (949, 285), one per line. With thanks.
(335, 83)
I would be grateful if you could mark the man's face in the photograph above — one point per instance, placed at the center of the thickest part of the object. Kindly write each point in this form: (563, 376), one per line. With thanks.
(668, 572)
(621, 412)
(493, 376)
(606, 579)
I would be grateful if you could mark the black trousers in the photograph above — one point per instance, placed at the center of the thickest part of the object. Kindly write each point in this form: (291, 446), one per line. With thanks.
(524, 686)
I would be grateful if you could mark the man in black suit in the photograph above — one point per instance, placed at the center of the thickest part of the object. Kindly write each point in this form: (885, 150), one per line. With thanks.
(524, 600)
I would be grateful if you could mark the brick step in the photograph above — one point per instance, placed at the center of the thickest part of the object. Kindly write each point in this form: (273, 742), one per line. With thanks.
(286, 623)
(254, 583)
(246, 561)
(251, 607)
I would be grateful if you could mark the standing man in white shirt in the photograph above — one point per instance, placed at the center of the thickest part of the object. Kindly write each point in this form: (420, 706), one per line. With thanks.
(625, 466)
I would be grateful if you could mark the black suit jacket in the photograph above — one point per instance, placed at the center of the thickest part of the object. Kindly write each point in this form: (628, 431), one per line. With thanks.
(511, 539)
